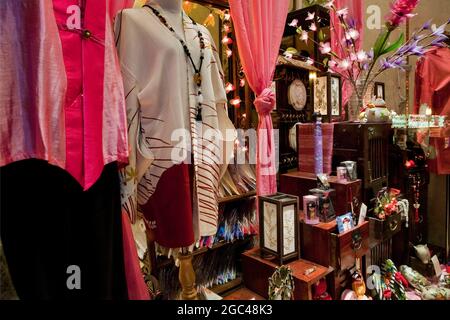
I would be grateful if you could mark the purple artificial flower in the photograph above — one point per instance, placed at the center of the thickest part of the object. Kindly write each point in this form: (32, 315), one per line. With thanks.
(351, 23)
(393, 63)
(438, 41)
(440, 31)
(417, 51)
(427, 25)
(400, 11)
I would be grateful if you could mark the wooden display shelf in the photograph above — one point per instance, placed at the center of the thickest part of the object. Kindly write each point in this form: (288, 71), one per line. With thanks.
(257, 271)
(166, 262)
(222, 288)
(237, 197)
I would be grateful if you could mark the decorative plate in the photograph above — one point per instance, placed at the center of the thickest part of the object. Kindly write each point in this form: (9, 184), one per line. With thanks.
(297, 95)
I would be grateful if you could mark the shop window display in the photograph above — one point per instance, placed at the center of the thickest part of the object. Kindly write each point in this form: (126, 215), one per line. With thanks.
(156, 140)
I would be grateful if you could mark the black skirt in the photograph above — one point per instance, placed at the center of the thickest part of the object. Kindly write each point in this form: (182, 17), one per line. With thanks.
(61, 242)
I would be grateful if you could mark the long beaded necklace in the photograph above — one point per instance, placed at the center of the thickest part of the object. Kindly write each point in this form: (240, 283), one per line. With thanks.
(197, 71)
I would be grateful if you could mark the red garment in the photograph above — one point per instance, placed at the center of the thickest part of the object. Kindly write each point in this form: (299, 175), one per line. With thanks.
(137, 289)
(433, 88)
(169, 209)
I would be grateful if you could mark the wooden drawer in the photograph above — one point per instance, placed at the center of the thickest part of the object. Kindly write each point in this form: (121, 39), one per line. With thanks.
(345, 247)
(385, 229)
(322, 244)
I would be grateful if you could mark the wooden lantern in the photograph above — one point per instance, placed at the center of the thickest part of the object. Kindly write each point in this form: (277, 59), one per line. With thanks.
(278, 224)
(328, 95)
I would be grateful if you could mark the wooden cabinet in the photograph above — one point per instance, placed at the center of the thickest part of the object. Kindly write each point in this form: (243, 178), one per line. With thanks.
(299, 184)
(385, 229)
(367, 144)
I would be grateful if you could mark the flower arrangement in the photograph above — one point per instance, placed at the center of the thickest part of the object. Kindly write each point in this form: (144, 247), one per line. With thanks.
(386, 203)
(361, 67)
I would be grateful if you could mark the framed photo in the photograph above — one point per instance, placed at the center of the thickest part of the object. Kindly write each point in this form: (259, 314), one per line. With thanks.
(345, 222)
(379, 90)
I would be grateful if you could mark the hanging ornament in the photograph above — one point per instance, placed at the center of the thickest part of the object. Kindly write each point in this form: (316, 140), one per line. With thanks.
(209, 21)
(188, 6)
(229, 52)
(242, 83)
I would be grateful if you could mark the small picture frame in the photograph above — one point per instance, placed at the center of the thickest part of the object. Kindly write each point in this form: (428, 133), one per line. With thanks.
(341, 173)
(345, 222)
(379, 90)
(322, 182)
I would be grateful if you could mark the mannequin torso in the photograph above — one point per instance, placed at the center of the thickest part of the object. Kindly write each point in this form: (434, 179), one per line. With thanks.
(172, 11)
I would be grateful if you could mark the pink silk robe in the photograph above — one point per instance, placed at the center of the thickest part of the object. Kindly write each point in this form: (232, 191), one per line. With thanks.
(96, 132)
(32, 84)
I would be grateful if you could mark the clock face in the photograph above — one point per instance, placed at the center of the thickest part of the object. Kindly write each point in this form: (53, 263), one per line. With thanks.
(270, 226)
(297, 95)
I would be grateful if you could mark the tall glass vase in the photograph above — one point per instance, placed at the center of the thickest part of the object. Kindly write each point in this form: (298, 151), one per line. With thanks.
(356, 101)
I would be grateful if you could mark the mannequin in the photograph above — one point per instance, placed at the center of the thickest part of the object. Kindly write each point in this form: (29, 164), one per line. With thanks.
(177, 198)
(173, 10)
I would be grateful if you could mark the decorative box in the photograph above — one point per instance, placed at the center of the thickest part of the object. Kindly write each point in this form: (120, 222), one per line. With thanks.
(278, 223)
(385, 229)
(326, 209)
(346, 192)
(311, 209)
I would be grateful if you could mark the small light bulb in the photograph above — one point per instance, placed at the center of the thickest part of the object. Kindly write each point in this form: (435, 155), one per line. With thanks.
(229, 87)
(227, 40)
(235, 102)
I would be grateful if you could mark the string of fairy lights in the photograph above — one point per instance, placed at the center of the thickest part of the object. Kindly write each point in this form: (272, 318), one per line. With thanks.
(227, 41)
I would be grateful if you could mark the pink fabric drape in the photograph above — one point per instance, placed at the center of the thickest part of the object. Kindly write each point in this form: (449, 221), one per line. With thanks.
(115, 6)
(355, 12)
(259, 26)
(137, 289)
